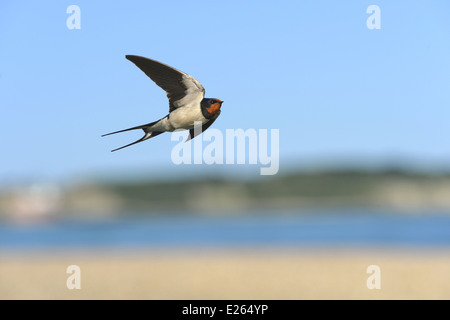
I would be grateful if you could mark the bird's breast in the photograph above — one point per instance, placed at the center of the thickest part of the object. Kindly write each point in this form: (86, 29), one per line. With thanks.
(184, 117)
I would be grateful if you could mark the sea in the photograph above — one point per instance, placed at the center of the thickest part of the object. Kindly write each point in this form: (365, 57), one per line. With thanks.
(290, 228)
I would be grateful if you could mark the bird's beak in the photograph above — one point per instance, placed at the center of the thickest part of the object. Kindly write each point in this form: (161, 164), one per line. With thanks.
(221, 102)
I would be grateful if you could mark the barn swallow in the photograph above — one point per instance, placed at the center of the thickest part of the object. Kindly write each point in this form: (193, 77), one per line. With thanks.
(187, 102)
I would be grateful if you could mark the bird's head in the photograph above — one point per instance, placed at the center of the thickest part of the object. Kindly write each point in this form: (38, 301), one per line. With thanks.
(211, 106)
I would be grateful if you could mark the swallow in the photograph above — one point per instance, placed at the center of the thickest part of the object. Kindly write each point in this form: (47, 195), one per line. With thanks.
(187, 102)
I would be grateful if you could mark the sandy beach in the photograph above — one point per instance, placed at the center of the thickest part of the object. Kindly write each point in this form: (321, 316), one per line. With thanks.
(227, 274)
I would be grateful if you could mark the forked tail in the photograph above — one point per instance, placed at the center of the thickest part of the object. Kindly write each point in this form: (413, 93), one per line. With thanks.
(146, 136)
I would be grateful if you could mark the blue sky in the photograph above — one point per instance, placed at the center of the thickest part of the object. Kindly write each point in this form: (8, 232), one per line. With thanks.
(312, 69)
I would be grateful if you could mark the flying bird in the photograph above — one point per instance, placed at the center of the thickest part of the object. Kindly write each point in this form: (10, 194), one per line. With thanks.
(187, 102)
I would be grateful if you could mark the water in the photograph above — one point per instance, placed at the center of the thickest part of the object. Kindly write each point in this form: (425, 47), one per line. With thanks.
(325, 228)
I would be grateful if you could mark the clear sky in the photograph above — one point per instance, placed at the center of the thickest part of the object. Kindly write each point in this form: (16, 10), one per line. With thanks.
(311, 69)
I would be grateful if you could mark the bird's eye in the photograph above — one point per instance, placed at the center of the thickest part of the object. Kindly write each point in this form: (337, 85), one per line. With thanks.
(212, 101)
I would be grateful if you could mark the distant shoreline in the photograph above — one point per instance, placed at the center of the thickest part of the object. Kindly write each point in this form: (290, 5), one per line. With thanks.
(396, 190)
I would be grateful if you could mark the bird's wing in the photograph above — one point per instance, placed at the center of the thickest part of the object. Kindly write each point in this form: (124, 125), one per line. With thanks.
(195, 132)
(180, 87)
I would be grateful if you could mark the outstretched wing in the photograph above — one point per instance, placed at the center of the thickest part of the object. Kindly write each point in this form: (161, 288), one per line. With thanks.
(180, 87)
(195, 132)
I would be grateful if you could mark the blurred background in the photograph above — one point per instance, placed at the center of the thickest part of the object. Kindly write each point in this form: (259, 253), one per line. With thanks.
(364, 173)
